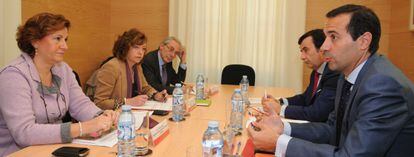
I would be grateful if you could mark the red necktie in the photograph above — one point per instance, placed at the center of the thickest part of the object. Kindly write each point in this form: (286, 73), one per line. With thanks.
(315, 82)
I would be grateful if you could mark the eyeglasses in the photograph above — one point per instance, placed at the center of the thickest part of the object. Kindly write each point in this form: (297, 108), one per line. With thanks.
(58, 94)
(171, 49)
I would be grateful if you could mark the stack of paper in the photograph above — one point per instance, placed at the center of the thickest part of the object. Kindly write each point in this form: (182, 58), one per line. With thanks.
(155, 105)
(110, 139)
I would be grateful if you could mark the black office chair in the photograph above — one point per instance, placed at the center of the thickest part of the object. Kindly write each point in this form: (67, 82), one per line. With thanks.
(233, 73)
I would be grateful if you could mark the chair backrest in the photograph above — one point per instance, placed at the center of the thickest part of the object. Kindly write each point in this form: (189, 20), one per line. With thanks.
(77, 77)
(233, 73)
(90, 84)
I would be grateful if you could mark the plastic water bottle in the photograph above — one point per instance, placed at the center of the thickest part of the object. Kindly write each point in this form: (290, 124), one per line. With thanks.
(200, 87)
(126, 133)
(178, 103)
(244, 86)
(212, 141)
(236, 118)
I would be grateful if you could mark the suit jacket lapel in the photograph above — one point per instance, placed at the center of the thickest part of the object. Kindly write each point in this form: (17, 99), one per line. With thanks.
(355, 89)
(156, 64)
(310, 96)
(324, 76)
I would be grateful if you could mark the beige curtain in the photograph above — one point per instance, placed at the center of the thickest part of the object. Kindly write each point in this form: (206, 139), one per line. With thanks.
(260, 33)
(10, 17)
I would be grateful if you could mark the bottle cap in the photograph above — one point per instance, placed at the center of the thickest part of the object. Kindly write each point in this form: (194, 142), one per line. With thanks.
(178, 85)
(213, 124)
(237, 90)
(244, 76)
(126, 107)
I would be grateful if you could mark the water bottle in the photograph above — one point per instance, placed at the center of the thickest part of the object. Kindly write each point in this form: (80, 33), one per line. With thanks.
(200, 87)
(126, 133)
(178, 103)
(236, 117)
(244, 86)
(212, 141)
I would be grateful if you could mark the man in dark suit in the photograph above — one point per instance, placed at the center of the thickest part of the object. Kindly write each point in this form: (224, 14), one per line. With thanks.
(316, 102)
(374, 104)
(157, 65)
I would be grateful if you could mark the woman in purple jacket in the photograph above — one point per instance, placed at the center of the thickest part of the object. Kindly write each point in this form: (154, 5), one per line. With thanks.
(38, 88)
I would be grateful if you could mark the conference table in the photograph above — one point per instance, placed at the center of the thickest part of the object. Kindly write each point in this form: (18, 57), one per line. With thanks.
(184, 137)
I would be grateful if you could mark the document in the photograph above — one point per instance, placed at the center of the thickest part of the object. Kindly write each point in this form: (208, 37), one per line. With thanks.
(110, 139)
(255, 100)
(155, 105)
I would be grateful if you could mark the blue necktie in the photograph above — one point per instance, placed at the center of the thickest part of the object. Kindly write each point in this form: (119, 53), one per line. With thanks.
(164, 74)
(341, 108)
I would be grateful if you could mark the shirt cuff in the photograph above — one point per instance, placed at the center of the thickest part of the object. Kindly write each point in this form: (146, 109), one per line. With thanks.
(183, 66)
(282, 110)
(65, 132)
(281, 145)
(286, 128)
(285, 101)
(98, 113)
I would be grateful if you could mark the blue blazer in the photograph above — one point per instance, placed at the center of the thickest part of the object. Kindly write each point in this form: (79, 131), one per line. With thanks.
(378, 120)
(314, 108)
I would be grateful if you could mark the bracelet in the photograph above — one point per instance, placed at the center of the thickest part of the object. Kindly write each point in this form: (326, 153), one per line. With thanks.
(80, 129)
(118, 102)
(153, 96)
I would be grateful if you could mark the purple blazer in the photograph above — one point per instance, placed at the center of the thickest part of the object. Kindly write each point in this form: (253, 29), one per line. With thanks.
(23, 114)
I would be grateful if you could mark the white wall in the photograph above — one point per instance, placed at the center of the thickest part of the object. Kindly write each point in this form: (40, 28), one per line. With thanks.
(10, 18)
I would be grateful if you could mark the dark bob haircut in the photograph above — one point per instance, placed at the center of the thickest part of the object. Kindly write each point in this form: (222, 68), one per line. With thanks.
(125, 41)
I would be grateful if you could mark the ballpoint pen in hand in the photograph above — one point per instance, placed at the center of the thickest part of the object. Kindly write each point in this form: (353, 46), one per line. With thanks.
(238, 148)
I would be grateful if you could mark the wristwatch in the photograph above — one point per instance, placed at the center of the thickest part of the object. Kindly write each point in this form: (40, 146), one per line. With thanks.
(281, 101)
(118, 102)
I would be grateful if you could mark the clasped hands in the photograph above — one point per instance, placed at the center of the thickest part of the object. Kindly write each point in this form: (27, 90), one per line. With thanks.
(266, 130)
(104, 122)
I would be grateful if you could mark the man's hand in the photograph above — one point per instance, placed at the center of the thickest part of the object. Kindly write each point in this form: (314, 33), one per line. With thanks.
(268, 96)
(183, 55)
(271, 106)
(271, 127)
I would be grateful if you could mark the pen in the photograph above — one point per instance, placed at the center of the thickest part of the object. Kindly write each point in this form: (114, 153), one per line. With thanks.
(261, 112)
(182, 83)
(238, 148)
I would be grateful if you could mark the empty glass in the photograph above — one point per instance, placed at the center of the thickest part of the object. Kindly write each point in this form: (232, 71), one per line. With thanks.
(142, 137)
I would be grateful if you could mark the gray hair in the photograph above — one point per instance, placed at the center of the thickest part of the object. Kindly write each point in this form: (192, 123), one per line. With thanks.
(171, 38)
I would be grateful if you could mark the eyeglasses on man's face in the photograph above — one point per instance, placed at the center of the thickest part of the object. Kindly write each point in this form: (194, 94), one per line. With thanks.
(172, 49)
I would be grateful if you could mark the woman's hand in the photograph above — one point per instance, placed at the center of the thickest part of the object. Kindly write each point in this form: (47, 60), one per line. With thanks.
(161, 96)
(93, 127)
(113, 115)
(137, 101)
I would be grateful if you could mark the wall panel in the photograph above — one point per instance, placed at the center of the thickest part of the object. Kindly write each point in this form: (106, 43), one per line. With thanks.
(316, 10)
(96, 24)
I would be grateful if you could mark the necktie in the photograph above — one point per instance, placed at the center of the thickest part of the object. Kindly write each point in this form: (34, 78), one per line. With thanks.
(164, 74)
(341, 109)
(315, 82)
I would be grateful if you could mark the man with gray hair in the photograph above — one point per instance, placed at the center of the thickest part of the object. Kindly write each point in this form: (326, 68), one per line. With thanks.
(157, 65)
